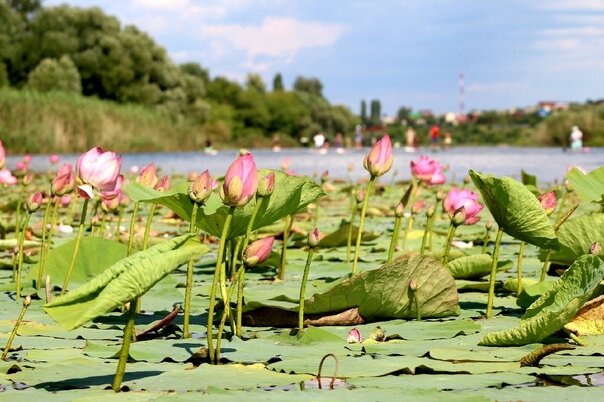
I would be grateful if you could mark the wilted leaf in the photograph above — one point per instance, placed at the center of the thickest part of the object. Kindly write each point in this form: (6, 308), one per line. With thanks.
(476, 266)
(516, 210)
(590, 319)
(556, 307)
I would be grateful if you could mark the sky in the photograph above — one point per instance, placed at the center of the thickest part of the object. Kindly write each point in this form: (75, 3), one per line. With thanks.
(512, 53)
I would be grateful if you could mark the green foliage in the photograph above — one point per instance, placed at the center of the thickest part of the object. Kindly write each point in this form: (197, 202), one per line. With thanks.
(475, 266)
(278, 83)
(375, 115)
(55, 75)
(576, 237)
(590, 186)
(311, 86)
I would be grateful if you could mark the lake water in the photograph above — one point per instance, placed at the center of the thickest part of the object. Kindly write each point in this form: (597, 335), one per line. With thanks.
(548, 164)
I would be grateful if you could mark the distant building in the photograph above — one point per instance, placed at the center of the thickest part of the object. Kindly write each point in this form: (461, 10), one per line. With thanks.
(545, 108)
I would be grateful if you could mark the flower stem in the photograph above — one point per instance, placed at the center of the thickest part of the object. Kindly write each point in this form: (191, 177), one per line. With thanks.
(18, 214)
(124, 351)
(103, 223)
(120, 215)
(189, 283)
(240, 275)
(418, 308)
(350, 230)
(13, 333)
(357, 248)
(286, 233)
(74, 255)
(223, 239)
(485, 241)
(450, 236)
(224, 316)
(303, 290)
(132, 227)
(44, 240)
(519, 270)
(148, 225)
(427, 232)
(394, 239)
(545, 267)
(20, 255)
(407, 230)
(493, 273)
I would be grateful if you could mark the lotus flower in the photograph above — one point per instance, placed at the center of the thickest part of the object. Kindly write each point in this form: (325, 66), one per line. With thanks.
(425, 168)
(147, 176)
(457, 198)
(314, 238)
(111, 205)
(65, 200)
(258, 251)
(201, 189)
(379, 160)
(548, 201)
(34, 202)
(7, 178)
(97, 169)
(64, 181)
(111, 194)
(240, 182)
(163, 184)
(54, 159)
(438, 177)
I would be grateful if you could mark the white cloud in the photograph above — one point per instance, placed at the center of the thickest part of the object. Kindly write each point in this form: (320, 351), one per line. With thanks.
(276, 37)
(577, 5)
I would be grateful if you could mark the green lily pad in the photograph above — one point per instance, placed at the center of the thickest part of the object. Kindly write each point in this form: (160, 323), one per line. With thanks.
(556, 307)
(476, 266)
(576, 237)
(590, 186)
(516, 210)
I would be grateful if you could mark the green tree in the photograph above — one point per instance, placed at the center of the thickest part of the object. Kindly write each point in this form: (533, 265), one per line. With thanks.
(278, 83)
(376, 112)
(363, 112)
(55, 75)
(254, 82)
(312, 86)
(196, 70)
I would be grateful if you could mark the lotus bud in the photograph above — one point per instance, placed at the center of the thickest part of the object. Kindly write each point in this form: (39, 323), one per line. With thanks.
(201, 189)
(27, 301)
(285, 163)
(64, 183)
(354, 336)
(440, 195)
(548, 202)
(489, 225)
(21, 169)
(314, 238)
(430, 211)
(54, 159)
(95, 221)
(379, 160)
(258, 251)
(163, 184)
(192, 176)
(65, 200)
(266, 185)
(413, 285)
(360, 196)
(97, 169)
(147, 176)
(240, 182)
(34, 202)
(27, 159)
(27, 179)
(417, 207)
(399, 212)
(595, 249)
(324, 176)
(2, 156)
(378, 334)
(459, 216)
(467, 179)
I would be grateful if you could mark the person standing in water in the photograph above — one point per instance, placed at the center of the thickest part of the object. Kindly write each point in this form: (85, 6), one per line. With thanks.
(576, 139)
(434, 137)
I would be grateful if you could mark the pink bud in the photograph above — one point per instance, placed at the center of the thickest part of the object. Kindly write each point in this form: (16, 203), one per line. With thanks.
(354, 336)
(147, 176)
(7, 178)
(379, 160)
(258, 251)
(360, 197)
(457, 198)
(399, 211)
(27, 179)
(548, 201)
(201, 189)
(34, 202)
(66, 168)
(163, 184)
(2, 156)
(285, 163)
(27, 159)
(98, 170)
(425, 168)
(112, 205)
(63, 183)
(240, 182)
(417, 206)
(266, 185)
(65, 201)
(314, 238)
(54, 159)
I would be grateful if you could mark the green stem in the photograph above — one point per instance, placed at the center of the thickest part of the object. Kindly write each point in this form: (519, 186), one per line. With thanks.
(450, 236)
(519, 270)
(20, 255)
(282, 261)
(74, 255)
(394, 239)
(13, 333)
(407, 230)
(418, 308)
(545, 267)
(120, 215)
(575, 338)
(49, 236)
(240, 275)
(124, 351)
(350, 230)
(224, 316)
(44, 239)
(132, 228)
(427, 231)
(189, 283)
(303, 290)
(357, 248)
(493, 273)
(103, 223)
(485, 241)
(223, 239)
(148, 225)
(18, 214)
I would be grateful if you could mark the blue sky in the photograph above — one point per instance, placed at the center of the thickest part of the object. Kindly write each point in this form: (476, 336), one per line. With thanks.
(404, 53)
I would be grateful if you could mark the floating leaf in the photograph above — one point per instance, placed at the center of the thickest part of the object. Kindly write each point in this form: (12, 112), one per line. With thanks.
(590, 319)
(576, 236)
(556, 307)
(476, 266)
(340, 236)
(590, 186)
(292, 194)
(127, 279)
(516, 210)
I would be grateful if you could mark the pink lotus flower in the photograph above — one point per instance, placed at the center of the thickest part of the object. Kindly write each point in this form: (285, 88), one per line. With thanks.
(258, 251)
(548, 201)
(34, 202)
(201, 189)
(7, 178)
(111, 205)
(2, 156)
(64, 181)
(425, 168)
(65, 200)
(117, 190)
(457, 198)
(27, 159)
(379, 160)
(147, 176)
(163, 184)
(438, 177)
(314, 238)
(417, 206)
(98, 170)
(240, 182)
(54, 159)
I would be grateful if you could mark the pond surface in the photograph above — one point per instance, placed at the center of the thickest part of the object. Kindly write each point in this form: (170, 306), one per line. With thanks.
(548, 164)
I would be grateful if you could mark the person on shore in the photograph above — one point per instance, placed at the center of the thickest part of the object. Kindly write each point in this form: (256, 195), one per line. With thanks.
(434, 137)
(276, 142)
(448, 140)
(576, 139)
(410, 140)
